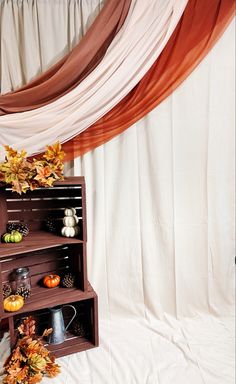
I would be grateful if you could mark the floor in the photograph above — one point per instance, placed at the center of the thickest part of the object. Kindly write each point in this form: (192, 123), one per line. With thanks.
(196, 350)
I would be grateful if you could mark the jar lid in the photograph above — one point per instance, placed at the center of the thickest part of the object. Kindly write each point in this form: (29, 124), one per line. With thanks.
(22, 271)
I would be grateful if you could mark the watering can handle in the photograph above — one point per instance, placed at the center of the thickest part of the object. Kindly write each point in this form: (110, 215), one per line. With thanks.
(75, 312)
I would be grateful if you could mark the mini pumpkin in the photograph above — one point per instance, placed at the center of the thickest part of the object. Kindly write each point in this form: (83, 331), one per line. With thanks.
(16, 237)
(51, 281)
(70, 231)
(6, 237)
(70, 221)
(13, 237)
(13, 303)
(70, 212)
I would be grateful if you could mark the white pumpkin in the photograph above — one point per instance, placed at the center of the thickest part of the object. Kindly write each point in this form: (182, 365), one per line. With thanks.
(70, 231)
(70, 221)
(70, 212)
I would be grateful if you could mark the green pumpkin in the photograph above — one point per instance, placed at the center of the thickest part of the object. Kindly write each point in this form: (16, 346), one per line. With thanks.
(13, 237)
(6, 237)
(16, 237)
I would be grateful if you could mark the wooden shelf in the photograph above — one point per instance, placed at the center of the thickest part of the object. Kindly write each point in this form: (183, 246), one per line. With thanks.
(35, 241)
(42, 297)
(72, 344)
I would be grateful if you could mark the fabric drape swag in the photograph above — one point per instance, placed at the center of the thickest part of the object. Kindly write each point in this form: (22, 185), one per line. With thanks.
(73, 68)
(146, 31)
(36, 34)
(198, 30)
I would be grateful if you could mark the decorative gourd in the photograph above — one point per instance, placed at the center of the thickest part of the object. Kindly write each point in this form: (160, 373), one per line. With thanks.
(13, 237)
(16, 237)
(70, 231)
(51, 281)
(13, 303)
(70, 221)
(6, 237)
(70, 212)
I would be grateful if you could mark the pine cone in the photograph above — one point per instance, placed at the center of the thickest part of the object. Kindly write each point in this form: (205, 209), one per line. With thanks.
(78, 328)
(20, 227)
(6, 290)
(68, 280)
(24, 292)
(50, 224)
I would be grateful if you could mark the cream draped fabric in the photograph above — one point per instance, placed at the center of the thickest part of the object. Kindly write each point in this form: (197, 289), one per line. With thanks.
(35, 34)
(144, 34)
(160, 203)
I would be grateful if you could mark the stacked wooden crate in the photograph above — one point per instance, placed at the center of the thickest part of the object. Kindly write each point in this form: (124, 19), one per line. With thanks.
(48, 253)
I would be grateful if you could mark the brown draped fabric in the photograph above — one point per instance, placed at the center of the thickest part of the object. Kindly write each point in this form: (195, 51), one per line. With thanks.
(201, 25)
(73, 68)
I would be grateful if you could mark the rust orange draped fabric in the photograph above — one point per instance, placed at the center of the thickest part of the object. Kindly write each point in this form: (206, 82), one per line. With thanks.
(201, 25)
(73, 68)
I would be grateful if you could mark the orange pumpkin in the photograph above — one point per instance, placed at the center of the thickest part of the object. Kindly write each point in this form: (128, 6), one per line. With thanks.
(51, 281)
(13, 303)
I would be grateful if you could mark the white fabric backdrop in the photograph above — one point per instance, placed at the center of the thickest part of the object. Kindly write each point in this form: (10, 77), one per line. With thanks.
(160, 201)
(35, 34)
(160, 239)
(132, 52)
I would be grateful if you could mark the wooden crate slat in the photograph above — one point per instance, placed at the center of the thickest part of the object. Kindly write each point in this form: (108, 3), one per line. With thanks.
(43, 204)
(46, 192)
(39, 258)
(39, 215)
(72, 346)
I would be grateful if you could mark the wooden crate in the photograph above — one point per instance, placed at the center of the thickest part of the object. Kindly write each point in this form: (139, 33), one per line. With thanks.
(44, 253)
(34, 207)
(87, 312)
(55, 259)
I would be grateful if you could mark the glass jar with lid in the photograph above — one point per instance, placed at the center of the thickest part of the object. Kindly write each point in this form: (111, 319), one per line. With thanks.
(22, 282)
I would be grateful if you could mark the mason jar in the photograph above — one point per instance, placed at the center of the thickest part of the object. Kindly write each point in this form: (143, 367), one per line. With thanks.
(22, 282)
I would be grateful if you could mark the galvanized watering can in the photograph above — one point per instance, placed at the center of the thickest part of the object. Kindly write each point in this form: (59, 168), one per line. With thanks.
(57, 323)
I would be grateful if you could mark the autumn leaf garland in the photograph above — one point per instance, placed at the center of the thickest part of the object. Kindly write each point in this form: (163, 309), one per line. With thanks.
(28, 174)
(30, 360)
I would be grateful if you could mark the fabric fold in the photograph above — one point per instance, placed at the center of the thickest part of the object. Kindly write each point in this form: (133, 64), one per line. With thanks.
(143, 36)
(200, 27)
(74, 67)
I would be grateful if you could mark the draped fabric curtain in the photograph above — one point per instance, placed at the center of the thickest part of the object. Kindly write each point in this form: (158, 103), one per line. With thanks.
(68, 72)
(134, 49)
(201, 25)
(35, 34)
(160, 200)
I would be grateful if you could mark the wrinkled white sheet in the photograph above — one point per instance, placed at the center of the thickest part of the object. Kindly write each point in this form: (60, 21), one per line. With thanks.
(199, 350)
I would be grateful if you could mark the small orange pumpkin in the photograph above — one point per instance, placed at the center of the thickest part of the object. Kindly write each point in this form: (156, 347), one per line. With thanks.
(51, 281)
(13, 303)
